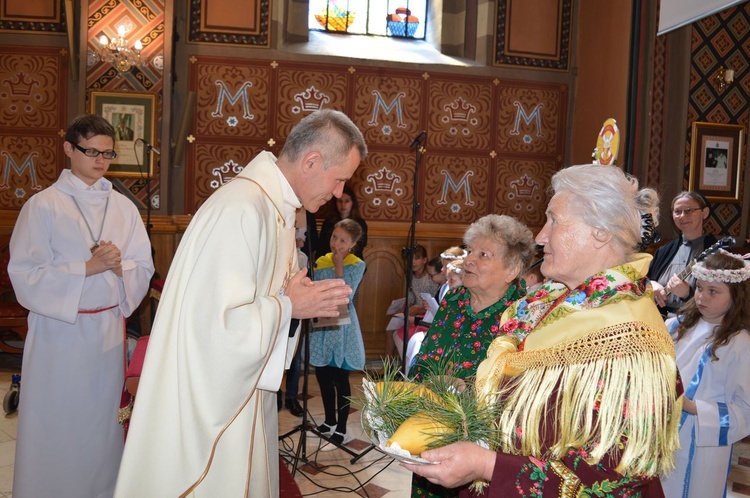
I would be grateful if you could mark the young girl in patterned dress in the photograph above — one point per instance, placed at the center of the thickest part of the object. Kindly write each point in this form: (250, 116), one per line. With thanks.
(337, 350)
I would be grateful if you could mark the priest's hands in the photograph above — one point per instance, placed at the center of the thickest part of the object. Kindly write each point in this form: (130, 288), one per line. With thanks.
(457, 464)
(105, 257)
(316, 299)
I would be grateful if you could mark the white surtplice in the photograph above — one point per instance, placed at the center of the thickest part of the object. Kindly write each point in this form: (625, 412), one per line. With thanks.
(69, 442)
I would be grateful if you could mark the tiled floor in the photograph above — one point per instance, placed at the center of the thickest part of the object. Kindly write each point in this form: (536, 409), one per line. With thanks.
(324, 474)
(9, 364)
(332, 473)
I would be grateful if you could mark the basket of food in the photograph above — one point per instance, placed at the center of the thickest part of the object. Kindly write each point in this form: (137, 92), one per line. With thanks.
(334, 18)
(402, 23)
(404, 418)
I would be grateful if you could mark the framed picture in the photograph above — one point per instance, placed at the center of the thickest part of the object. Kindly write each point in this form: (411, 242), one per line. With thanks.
(716, 152)
(133, 117)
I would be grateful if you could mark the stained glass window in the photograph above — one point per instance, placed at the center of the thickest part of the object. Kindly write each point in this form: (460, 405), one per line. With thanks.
(395, 18)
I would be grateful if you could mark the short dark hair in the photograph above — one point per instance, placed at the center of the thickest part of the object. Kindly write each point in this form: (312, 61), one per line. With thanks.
(87, 126)
(354, 214)
(436, 263)
(419, 251)
(693, 195)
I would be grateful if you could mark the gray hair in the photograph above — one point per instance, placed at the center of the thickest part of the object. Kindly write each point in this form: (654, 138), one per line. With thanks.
(608, 199)
(507, 232)
(332, 132)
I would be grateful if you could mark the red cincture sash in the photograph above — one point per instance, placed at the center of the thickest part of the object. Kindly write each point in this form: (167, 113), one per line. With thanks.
(93, 312)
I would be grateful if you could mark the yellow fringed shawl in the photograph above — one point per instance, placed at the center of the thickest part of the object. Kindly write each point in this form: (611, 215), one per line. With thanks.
(607, 385)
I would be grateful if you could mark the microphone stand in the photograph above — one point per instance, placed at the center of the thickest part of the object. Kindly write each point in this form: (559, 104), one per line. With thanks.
(301, 451)
(147, 150)
(418, 148)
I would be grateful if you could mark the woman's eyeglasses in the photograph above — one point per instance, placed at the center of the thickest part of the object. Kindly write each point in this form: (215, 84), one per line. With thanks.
(106, 154)
(680, 212)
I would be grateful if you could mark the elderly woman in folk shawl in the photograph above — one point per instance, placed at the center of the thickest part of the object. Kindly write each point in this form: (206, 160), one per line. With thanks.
(589, 395)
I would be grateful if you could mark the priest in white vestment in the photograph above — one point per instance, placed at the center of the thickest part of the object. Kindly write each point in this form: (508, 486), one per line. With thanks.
(80, 262)
(205, 422)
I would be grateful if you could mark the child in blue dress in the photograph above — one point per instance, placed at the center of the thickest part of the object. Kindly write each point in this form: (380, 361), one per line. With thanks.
(338, 349)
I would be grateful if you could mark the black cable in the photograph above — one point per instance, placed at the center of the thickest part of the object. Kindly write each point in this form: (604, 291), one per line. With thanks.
(411, 245)
(322, 468)
(146, 177)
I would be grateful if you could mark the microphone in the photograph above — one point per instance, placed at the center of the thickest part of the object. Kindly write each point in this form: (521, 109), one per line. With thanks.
(148, 147)
(419, 138)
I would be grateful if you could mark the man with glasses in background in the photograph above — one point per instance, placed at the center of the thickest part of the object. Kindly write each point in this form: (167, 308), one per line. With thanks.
(689, 211)
(81, 264)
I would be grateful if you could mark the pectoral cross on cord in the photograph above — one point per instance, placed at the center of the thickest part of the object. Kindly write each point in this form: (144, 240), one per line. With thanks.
(101, 228)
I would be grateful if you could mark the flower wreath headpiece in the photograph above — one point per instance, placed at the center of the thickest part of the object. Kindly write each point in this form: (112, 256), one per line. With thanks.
(700, 272)
(447, 255)
(456, 266)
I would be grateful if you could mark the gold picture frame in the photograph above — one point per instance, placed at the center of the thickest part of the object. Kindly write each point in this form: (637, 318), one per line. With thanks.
(133, 115)
(716, 154)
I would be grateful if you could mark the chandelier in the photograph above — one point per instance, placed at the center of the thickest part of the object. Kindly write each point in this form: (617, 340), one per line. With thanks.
(115, 51)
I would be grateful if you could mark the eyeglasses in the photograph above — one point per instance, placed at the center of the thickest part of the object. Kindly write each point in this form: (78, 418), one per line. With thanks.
(106, 154)
(680, 212)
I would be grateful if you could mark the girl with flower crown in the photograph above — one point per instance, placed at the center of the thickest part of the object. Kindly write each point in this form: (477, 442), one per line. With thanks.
(712, 344)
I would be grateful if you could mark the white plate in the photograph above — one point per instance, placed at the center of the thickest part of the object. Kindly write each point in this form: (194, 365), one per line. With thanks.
(406, 459)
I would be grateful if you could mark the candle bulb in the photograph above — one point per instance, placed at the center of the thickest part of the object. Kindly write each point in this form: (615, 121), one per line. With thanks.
(118, 52)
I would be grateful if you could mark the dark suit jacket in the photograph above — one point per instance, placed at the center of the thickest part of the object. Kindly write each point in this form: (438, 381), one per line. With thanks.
(663, 257)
